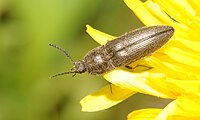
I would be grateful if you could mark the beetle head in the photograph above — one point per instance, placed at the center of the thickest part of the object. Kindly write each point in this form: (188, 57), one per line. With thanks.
(78, 67)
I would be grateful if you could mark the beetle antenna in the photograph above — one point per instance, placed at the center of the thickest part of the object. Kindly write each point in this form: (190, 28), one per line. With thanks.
(62, 74)
(62, 50)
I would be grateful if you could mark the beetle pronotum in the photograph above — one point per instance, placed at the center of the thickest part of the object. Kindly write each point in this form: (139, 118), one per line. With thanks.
(123, 50)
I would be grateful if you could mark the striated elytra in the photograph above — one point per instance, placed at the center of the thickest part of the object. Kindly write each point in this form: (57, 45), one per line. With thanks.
(128, 48)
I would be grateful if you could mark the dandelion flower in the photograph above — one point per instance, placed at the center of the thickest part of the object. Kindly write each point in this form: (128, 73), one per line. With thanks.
(175, 68)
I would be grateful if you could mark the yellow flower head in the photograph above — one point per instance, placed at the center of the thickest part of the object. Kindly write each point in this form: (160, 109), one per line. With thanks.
(175, 68)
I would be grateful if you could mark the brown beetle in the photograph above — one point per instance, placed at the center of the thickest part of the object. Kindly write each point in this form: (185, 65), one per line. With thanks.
(123, 50)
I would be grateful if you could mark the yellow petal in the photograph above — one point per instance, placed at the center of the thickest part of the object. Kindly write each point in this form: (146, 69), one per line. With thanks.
(177, 117)
(137, 7)
(181, 11)
(185, 87)
(194, 45)
(185, 57)
(104, 99)
(196, 4)
(184, 107)
(185, 13)
(133, 81)
(144, 114)
(189, 104)
(100, 37)
(173, 69)
(159, 82)
(160, 15)
(150, 13)
(174, 86)
(168, 110)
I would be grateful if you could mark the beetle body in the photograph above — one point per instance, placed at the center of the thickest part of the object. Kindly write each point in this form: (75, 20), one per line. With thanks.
(123, 50)
(127, 48)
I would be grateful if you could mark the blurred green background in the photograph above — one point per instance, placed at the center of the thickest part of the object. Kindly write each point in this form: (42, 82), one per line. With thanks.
(26, 60)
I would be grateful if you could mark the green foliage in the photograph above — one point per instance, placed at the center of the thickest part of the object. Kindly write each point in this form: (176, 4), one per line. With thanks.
(26, 60)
